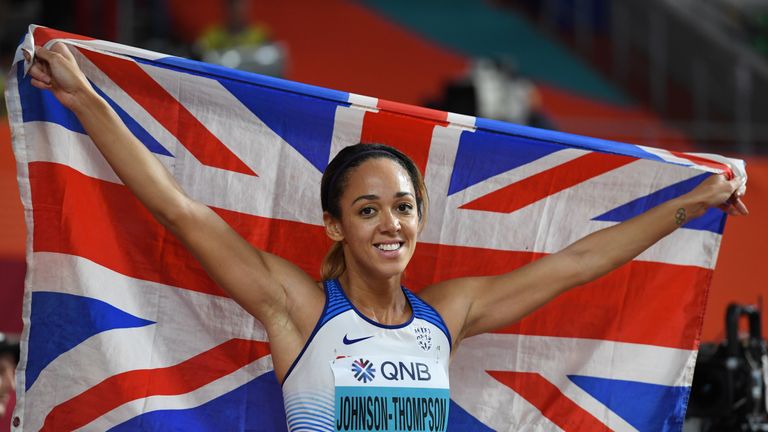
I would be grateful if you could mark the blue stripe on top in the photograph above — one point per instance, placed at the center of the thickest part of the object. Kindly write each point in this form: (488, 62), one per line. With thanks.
(336, 302)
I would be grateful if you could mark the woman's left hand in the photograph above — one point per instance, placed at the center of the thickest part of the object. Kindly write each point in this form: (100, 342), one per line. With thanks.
(717, 191)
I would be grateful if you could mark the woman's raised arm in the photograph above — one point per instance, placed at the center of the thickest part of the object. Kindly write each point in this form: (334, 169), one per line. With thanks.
(480, 304)
(255, 279)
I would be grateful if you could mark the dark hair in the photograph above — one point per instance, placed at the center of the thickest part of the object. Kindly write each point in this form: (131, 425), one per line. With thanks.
(335, 180)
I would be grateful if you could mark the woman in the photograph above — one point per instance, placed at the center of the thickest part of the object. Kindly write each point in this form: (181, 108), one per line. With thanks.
(357, 351)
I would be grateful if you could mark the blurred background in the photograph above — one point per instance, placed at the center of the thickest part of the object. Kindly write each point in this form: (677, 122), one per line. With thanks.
(685, 75)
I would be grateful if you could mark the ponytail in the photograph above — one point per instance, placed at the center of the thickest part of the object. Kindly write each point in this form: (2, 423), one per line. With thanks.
(333, 264)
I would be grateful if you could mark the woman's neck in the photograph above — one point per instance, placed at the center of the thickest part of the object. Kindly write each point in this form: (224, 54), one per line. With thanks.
(382, 301)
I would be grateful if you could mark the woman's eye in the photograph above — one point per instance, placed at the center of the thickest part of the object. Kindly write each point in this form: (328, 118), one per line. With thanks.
(367, 211)
(404, 208)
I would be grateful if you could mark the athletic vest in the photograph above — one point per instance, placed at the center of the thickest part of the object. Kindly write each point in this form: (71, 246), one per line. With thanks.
(355, 374)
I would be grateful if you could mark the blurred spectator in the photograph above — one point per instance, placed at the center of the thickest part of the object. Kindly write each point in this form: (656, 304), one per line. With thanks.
(494, 89)
(9, 357)
(503, 94)
(239, 44)
(7, 381)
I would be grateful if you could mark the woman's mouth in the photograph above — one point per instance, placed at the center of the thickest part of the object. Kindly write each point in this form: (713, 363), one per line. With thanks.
(388, 247)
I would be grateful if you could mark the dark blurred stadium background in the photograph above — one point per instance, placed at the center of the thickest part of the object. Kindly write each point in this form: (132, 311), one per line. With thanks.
(687, 75)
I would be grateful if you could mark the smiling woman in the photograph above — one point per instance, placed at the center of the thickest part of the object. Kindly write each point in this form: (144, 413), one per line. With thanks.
(363, 193)
(358, 351)
(389, 350)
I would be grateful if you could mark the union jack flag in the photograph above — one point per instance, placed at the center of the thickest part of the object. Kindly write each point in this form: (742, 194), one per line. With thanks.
(125, 331)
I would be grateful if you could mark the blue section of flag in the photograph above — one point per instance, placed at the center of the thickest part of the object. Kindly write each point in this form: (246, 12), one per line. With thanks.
(262, 396)
(305, 123)
(647, 407)
(300, 114)
(482, 155)
(461, 421)
(40, 105)
(568, 140)
(713, 220)
(136, 129)
(83, 316)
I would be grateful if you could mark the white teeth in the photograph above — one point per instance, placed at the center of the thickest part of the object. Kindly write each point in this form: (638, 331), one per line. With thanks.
(388, 246)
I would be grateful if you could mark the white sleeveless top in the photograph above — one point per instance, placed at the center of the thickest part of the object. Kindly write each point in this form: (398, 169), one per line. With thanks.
(355, 374)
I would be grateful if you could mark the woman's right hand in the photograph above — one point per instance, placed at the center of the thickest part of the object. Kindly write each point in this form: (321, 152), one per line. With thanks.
(57, 70)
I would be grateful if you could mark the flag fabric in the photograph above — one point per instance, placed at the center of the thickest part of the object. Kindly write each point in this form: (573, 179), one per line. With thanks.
(124, 331)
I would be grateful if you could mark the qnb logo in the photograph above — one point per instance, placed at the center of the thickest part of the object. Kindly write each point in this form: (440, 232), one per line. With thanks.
(401, 371)
(363, 370)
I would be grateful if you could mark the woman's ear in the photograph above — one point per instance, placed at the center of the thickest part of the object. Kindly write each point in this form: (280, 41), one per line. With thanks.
(332, 227)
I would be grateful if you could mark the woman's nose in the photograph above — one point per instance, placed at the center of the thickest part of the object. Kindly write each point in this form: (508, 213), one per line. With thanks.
(390, 223)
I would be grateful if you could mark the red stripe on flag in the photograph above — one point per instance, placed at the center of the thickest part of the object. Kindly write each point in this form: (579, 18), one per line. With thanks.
(552, 403)
(698, 160)
(405, 127)
(101, 221)
(182, 378)
(641, 302)
(436, 116)
(546, 183)
(44, 34)
(161, 105)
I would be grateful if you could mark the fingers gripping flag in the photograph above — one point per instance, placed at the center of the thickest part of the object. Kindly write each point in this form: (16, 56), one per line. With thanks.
(125, 331)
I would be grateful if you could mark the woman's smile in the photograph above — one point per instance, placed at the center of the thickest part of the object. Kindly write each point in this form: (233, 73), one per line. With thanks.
(389, 247)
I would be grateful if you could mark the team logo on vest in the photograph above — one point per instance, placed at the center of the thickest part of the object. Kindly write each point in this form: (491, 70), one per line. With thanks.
(423, 337)
(363, 370)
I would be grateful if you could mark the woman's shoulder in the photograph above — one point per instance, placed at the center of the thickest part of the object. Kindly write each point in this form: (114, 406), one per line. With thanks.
(445, 293)
(451, 301)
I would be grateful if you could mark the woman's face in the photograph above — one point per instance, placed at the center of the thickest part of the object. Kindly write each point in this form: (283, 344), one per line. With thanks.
(379, 219)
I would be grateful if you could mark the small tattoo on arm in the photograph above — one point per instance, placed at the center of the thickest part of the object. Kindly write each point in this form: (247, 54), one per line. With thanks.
(680, 216)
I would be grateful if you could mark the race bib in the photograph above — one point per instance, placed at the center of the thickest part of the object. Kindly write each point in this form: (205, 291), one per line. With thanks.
(378, 393)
